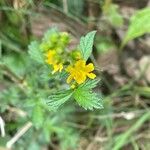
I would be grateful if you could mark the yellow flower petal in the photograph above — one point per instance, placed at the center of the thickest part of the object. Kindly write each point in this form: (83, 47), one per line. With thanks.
(69, 79)
(91, 75)
(80, 77)
(60, 67)
(69, 68)
(90, 67)
(50, 55)
(80, 63)
(57, 67)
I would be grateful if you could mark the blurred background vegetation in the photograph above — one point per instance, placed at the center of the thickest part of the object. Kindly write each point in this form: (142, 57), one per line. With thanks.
(121, 54)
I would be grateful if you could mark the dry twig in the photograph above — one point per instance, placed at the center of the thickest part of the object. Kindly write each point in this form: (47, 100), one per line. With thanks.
(20, 133)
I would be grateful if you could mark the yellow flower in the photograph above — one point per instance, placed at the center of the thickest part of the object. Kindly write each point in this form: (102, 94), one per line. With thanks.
(52, 60)
(50, 55)
(57, 67)
(80, 71)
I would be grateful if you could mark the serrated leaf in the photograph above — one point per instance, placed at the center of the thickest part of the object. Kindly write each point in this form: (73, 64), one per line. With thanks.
(69, 139)
(37, 116)
(89, 84)
(55, 100)
(17, 63)
(86, 98)
(86, 44)
(35, 53)
(139, 25)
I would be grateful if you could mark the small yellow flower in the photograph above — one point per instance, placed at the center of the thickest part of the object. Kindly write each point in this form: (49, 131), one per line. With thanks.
(50, 55)
(52, 60)
(57, 67)
(80, 71)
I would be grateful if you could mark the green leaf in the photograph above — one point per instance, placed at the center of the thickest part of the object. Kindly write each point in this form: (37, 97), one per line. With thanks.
(139, 25)
(89, 84)
(35, 53)
(113, 15)
(38, 116)
(69, 139)
(86, 98)
(17, 63)
(86, 44)
(57, 99)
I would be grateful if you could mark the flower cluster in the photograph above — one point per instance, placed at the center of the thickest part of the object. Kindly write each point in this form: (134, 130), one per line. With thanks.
(54, 47)
(52, 58)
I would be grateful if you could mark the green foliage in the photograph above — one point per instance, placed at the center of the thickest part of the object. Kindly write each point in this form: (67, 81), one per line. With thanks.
(35, 53)
(86, 44)
(38, 116)
(66, 134)
(90, 84)
(82, 94)
(57, 99)
(86, 98)
(139, 25)
(104, 44)
(16, 63)
(23, 100)
(33, 83)
(76, 7)
(143, 91)
(10, 96)
(53, 39)
(113, 15)
(122, 138)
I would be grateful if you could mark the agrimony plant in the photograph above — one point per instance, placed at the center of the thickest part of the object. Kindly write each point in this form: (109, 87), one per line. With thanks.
(68, 64)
